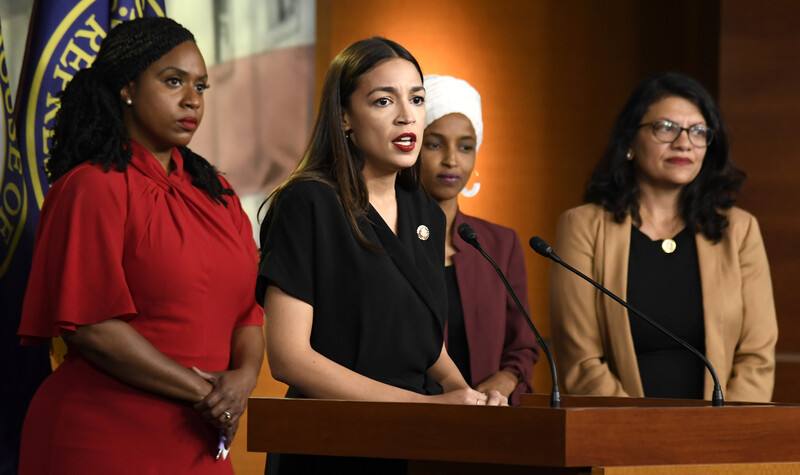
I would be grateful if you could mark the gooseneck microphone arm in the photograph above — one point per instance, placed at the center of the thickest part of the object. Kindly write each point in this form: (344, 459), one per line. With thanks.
(541, 247)
(468, 234)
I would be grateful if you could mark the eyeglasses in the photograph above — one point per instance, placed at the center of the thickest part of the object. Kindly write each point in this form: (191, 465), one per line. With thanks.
(667, 131)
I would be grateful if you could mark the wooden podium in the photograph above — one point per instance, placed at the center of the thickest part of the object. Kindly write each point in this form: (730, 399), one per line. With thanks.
(587, 435)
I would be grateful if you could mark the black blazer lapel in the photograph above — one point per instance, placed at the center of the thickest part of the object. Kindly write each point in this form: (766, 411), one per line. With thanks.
(413, 267)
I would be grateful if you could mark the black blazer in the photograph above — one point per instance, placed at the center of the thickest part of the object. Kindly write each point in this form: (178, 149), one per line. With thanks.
(379, 314)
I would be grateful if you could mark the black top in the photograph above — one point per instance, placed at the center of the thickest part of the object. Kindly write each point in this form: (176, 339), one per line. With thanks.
(666, 287)
(456, 338)
(381, 315)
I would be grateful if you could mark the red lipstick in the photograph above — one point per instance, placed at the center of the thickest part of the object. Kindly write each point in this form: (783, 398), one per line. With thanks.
(405, 142)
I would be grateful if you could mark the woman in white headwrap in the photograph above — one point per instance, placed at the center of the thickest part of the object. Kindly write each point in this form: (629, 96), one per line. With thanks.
(486, 334)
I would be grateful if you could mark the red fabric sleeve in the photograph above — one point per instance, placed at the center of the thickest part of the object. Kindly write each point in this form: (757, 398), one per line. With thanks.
(77, 276)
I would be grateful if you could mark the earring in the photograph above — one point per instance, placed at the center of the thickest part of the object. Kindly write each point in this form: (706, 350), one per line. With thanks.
(129, 101)
(629, 155)
(347, 134)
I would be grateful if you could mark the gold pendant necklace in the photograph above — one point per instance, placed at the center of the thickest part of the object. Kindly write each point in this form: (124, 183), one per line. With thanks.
(668, 246)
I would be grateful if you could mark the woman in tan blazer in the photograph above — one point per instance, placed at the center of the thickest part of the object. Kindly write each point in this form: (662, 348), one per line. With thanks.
(660, 230)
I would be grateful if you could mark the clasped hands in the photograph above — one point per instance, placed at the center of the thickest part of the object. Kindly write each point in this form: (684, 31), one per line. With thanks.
(469, 396)
(491, 398)
(226, 402)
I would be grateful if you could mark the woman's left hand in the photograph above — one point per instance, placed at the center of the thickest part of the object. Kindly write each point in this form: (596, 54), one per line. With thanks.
(228, 400)
(493, 398)
(502, 381)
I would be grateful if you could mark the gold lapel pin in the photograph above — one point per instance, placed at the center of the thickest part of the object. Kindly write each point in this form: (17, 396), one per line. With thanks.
(423, 233)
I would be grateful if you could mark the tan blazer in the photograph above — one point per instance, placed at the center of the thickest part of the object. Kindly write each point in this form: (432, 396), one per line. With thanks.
(591, 333)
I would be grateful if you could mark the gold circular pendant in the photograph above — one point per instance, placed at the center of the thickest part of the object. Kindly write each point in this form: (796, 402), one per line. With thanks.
(668, 246)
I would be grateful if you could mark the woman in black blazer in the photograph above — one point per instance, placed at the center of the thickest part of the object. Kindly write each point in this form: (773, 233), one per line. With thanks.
(351, 274)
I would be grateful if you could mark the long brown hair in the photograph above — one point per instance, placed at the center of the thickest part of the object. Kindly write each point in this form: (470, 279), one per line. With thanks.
(332, 158)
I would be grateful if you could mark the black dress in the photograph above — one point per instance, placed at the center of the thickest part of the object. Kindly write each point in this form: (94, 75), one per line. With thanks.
(456, 337)
(379, 314)
(666, 287)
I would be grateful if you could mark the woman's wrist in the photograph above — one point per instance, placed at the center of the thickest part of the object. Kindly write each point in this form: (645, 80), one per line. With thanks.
(508, 381)
(202, 390)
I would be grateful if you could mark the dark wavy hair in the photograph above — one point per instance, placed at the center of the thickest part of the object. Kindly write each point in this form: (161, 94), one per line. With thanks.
(332, 158)
(89, 124)
(702, 202)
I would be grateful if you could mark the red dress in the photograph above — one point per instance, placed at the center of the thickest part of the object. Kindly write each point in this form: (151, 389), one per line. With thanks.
(157, 252)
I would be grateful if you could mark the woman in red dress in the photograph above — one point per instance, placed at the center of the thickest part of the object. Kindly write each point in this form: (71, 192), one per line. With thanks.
(144, 262)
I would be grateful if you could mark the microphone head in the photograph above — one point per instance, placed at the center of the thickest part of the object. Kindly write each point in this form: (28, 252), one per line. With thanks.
(468, 234)
(541, 247)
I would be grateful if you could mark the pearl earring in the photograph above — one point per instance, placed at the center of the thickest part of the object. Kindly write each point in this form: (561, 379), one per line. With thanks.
(129, 101)
(629, 155)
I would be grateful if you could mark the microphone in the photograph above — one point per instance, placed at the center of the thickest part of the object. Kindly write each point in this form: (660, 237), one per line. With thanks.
(541, 247)
(468, 234)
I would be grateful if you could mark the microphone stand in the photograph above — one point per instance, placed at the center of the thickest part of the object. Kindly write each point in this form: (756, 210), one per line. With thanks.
(541, 247)
(468, 234)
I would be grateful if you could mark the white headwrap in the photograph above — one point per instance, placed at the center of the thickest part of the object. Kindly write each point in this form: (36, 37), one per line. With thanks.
(448, 95)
